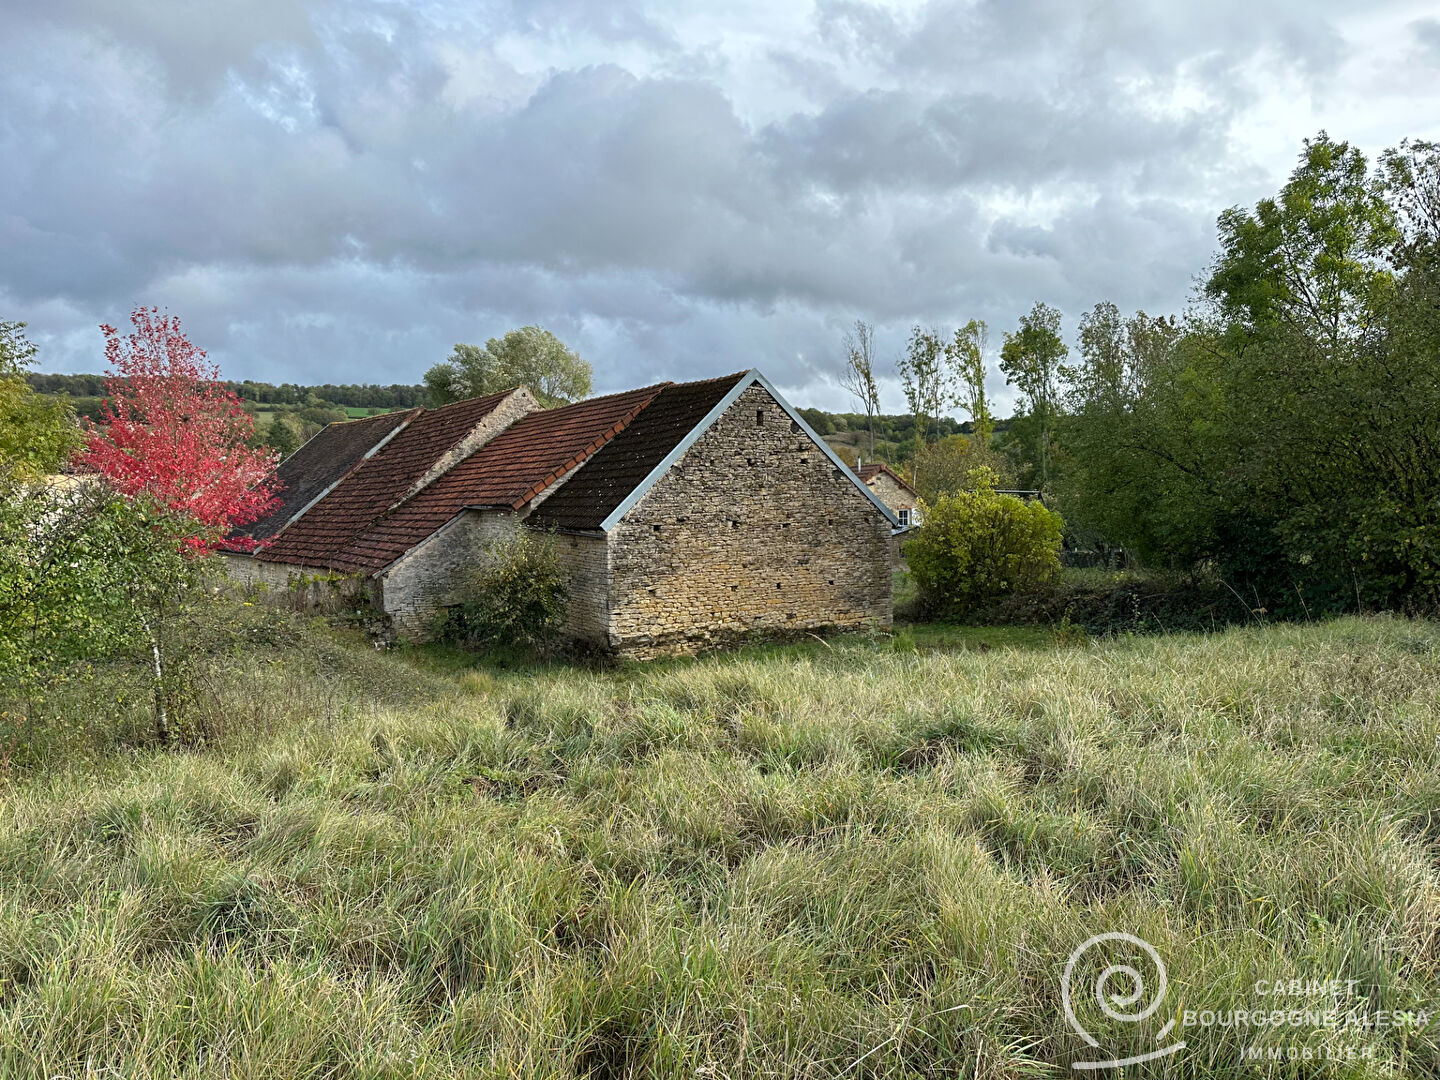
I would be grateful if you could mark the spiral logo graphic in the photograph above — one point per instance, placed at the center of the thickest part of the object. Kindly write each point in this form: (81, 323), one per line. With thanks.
(1122, 994)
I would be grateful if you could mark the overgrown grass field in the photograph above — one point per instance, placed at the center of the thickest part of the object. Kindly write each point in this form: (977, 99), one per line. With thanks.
(860, 858)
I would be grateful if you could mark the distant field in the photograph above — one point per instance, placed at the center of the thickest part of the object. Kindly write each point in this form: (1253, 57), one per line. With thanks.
(865, 857)
(265, 413)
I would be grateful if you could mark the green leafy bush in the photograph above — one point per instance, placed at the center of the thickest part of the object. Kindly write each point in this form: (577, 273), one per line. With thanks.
(517, 595)
(977, 545)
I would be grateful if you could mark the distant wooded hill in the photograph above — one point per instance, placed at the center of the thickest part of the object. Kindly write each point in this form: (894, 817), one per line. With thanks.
(849, 434)
(344, 395)
(317, 405)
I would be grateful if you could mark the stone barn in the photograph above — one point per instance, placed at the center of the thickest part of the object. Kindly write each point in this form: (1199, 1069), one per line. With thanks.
(686, 515)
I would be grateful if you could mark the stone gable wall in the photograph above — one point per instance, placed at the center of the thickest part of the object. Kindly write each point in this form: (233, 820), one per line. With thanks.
(429, 576)
(752, 530)
(892, 494)
(518, 405)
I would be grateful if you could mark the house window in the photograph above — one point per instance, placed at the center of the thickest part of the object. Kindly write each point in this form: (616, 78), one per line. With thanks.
(905, 517)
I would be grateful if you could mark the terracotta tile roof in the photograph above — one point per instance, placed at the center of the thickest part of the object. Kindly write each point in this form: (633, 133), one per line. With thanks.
(507, 472)
(378, 483)
(321, 462)
(869, 472)
(588, 497)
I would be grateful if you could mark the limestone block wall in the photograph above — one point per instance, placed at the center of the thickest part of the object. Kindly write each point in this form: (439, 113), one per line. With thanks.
(586, 562)
(893, 495)
(248, 571)
(416, 587)
(303, 588)
(753, 529)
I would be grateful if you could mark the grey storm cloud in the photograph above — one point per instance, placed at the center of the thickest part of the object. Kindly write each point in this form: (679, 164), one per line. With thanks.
(333, 190)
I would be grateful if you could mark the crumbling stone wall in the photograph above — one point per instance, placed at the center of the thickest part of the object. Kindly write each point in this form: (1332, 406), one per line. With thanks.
(520, 403)
(430, 577)
(752, 530)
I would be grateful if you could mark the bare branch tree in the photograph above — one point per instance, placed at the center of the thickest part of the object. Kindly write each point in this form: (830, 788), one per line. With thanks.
(859, 376)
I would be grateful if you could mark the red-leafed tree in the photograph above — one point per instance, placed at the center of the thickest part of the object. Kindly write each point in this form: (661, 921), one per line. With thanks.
(171, 431)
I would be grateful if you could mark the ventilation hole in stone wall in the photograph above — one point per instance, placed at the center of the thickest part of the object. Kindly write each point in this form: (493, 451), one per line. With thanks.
(734, 588)
(777, 585)
(734, 524)
(837, 474)
(759, 417)
(794, 427)
(830, 582)
(784, 525)
(750, 461)
(804, 461)
(655, 527)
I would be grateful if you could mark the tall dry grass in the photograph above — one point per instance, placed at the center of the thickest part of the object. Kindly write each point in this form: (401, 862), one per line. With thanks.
(846, 859)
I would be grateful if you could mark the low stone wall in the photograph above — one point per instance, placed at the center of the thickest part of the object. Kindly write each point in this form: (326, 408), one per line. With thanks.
(301, 588)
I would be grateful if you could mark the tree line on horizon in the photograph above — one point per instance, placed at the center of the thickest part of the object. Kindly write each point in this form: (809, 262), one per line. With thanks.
(1283, 431)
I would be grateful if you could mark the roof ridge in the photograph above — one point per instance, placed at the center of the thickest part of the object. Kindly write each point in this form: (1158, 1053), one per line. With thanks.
(471, 400)
(457, 451)
(599, 441)
(568, 467)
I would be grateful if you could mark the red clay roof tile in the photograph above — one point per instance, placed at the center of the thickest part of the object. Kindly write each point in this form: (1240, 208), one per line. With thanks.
(379, 482)
(322, 462)
(588, 497)
(506, 473)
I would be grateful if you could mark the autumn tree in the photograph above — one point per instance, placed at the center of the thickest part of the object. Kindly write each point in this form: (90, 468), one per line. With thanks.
(170, 431)
(859, 376)
(173, 447)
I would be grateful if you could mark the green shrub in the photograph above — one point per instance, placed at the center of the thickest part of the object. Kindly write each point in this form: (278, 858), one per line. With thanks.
(977, 545)
(517, 595)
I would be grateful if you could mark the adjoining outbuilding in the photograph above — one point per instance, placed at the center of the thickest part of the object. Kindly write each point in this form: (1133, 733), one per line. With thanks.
(686, 515)
(893, 490)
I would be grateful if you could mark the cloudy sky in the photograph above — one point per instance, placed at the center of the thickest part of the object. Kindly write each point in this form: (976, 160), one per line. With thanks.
(339, 190)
